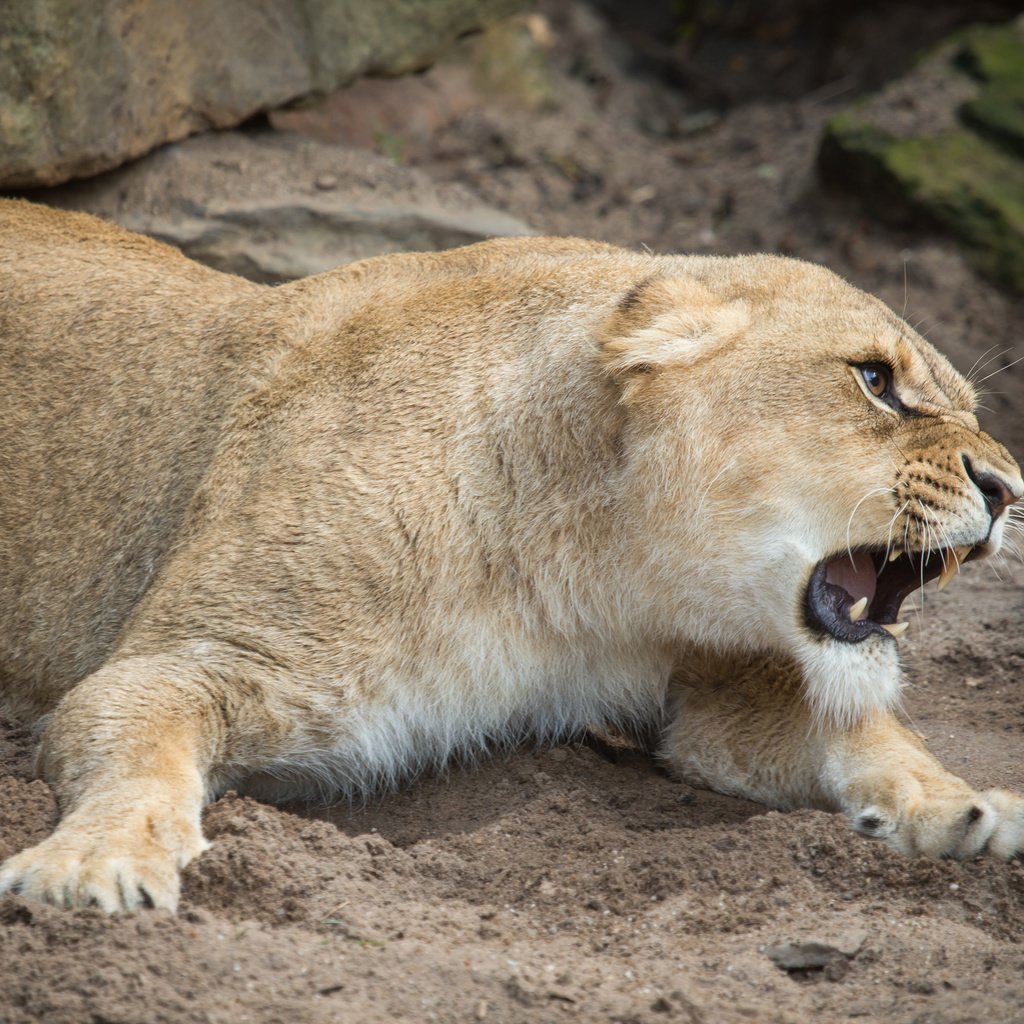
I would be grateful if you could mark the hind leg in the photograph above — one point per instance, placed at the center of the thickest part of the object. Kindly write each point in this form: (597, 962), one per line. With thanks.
(744, 728)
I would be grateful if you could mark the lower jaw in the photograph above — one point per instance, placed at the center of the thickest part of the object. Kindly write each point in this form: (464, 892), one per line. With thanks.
(844, 683)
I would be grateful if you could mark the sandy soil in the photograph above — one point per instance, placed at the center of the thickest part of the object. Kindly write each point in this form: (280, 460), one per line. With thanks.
(582, 882)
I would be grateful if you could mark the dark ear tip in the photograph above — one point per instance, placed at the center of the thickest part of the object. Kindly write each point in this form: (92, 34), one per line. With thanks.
(630, 313)
(632, 298)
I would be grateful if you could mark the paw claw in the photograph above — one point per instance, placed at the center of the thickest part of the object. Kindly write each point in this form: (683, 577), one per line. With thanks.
(956, 824)
(9, 885)
(115, 870)
(873, 822)
(1007, 839)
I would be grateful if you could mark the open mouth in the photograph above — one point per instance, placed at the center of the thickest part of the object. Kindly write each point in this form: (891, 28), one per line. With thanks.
(858, 594)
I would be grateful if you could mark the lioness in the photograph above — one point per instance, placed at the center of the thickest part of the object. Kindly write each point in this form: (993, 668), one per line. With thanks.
(319, 537)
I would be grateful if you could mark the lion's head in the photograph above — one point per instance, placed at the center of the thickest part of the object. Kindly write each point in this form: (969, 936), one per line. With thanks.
(830, 459)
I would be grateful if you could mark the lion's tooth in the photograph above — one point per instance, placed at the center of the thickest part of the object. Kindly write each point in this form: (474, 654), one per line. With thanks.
(894, 554)
(896, 629)
(857, 609)
(955, 558)
(949, 570)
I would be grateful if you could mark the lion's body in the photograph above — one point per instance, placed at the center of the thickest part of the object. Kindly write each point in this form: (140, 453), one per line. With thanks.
(318, 537)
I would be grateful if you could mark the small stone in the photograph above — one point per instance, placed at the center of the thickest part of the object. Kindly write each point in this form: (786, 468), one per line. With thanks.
(811, 953)
(836, 969)
(326, 182)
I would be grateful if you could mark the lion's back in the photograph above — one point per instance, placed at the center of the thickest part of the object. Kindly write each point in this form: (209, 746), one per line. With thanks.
(117, 364)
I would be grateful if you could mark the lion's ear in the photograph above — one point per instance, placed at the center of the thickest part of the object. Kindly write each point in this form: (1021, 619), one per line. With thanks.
(668, 321)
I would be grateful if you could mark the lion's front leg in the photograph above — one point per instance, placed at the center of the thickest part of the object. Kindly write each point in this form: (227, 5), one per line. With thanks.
(128, 753)
(744, 728)
(891, 787)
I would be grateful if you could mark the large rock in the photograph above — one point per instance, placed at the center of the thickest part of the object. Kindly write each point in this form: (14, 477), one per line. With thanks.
(945, 146)
(85, 87)
(401, 117)
(273, 206)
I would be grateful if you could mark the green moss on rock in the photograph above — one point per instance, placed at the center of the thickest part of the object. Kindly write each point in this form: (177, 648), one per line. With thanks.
(853, 153)
(993, 53)
(996, 58)
(974, 189)
(968, 178)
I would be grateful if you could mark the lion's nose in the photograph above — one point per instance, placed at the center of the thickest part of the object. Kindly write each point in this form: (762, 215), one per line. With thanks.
(994, 489)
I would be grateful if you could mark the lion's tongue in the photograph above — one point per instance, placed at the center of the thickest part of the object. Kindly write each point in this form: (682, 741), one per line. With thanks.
(855, 574)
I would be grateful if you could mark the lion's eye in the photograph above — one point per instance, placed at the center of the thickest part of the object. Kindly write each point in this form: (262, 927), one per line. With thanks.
(878, 378)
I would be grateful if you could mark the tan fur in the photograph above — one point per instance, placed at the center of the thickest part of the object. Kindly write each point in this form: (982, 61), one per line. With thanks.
(313, 539)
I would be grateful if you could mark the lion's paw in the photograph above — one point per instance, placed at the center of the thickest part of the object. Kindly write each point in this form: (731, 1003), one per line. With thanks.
(133, 866)
(960, 827)
(1007, 839)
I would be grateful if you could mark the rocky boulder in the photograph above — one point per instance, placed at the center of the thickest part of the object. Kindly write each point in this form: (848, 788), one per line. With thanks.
(84, 88)
(945, 146)
(272, 206)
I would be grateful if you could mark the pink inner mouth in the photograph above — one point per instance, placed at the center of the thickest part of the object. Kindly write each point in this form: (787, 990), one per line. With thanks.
(857, 575)
(877, 577)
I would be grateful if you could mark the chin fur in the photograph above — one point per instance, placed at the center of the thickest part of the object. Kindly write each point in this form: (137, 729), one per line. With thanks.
(844, 681)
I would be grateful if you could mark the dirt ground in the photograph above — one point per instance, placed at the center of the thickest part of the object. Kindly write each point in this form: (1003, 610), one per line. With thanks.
(581, 882)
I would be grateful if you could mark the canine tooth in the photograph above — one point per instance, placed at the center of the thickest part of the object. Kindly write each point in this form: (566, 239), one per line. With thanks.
(949, 570)
(962, 552)
(857, 609)
(896, 629)
(894, 554)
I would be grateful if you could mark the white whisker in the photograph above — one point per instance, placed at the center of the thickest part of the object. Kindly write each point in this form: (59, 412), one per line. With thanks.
(892, 523)
(979, 365)
(1019, 359)
(707, 490)
(849, 522)
(995, 571)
